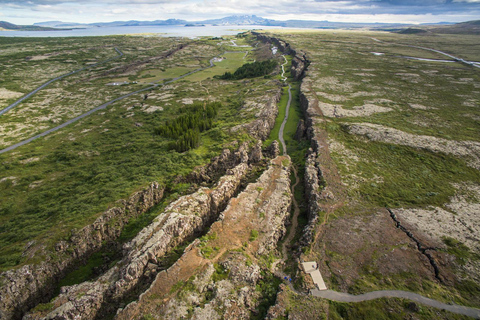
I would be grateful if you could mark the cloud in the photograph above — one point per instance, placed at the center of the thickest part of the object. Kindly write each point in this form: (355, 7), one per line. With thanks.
(337, 10)
(29, 3)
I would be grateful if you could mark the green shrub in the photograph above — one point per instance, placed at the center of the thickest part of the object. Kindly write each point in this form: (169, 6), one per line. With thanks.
(253, 235)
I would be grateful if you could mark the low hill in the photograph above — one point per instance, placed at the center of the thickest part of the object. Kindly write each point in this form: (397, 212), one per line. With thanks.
(13, 27)
(413, 31)
(469, 27)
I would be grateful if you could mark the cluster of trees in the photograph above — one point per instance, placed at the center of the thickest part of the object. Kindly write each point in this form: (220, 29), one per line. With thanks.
(186, 128)
(250, 70)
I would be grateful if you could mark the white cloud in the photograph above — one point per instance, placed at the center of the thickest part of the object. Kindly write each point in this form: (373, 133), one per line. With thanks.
(29, 11)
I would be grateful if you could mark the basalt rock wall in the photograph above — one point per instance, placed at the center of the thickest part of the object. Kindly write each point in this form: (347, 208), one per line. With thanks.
(183, 219)
(23, 288)
(313, 174)
(300, 61)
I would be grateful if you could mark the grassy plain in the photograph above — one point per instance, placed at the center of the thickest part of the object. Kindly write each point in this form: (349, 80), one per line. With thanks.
(230, 62)
(359, 80)
(65, 180)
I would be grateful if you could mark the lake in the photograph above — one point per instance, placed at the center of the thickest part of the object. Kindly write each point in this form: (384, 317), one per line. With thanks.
(165, 31)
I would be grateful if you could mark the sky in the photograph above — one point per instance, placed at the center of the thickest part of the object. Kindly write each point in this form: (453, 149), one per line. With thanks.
(87, 11)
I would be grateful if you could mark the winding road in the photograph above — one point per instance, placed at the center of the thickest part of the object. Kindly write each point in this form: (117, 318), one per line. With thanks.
(296, 211)
(103, 106)
(287, 110)
(345, 297)
(28, 95)
(456, 59)
(341, 296)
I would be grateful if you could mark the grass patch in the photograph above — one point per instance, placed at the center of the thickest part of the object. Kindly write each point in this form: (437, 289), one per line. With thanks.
(282, 106)
(231, 61)
(88, 271)
(411, 177)
(458, 249)
(268, 287)
(220, 273)
(155, 75)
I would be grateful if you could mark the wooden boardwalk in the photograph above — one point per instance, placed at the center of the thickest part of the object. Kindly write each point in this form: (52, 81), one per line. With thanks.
(312, 269)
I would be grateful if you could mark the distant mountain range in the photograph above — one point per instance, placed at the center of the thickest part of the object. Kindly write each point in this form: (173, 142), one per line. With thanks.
(470, 27)
(231, 20)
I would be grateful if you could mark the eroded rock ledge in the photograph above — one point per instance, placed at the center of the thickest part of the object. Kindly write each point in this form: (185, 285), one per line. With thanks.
(23, 288)
(300, 61)
(181, 220)
(29, 285)
(230, 286)
(470, 150)
(264, 118)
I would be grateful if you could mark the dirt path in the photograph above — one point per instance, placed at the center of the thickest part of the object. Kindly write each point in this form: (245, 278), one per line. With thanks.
(28, 95)
(282, 127)
(294, 201)
(345, 297)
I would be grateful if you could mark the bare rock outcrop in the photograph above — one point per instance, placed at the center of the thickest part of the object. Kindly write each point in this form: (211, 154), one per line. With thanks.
(226, 278)
(265, 117)
(313, 181)
(300, 61)
(466, 149)
(301, 131)
(24, 287)
(256, 154)
(219, 165)
(181, 220)
(280, 44)
(273, 150)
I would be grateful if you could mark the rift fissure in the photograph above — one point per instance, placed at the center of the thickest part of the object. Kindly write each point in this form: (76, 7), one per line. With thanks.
(420, 246)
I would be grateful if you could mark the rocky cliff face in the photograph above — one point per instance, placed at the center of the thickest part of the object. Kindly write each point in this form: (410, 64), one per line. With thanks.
(323, 187)
(24, 287)
(181, 220)
(299, 65)
(300, 61)
(265, 116)
(222, 283)
(314, 181)
(219, 165)
(321, 177)
(282, 45)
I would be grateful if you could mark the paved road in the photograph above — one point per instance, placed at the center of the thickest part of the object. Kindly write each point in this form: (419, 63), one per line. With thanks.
(103, 106)
(282, 127)
(28, 95)
(283, 69)
(296, 211)
(345, 297)
(471, 63)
